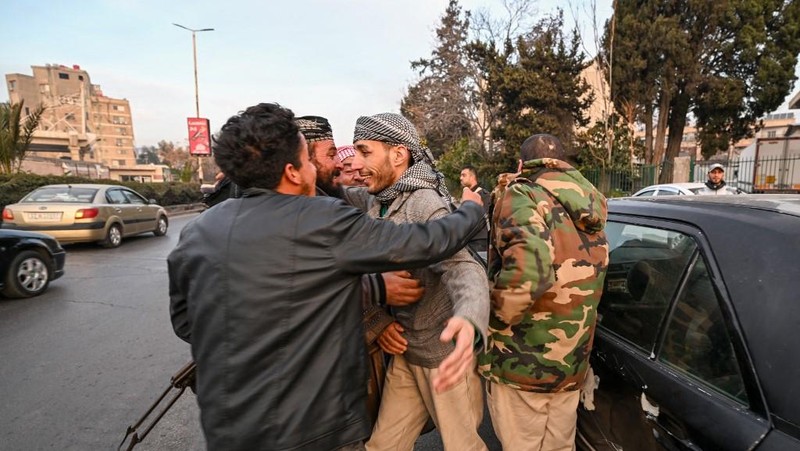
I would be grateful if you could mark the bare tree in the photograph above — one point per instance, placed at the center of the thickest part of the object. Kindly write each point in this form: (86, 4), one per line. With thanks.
(517, 21)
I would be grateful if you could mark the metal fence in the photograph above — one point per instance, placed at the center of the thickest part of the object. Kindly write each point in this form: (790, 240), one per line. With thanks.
(764, 175)
(624, 182)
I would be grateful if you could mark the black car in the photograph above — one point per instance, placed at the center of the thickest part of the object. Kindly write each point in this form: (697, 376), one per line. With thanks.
(29, 261)
(695, 346)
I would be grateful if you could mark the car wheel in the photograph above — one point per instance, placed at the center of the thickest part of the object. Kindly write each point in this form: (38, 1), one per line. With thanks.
(28, 275)
(113, 236)
(161, 226)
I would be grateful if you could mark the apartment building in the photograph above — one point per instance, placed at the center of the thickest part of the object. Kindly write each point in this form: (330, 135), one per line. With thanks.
(111, 120)
(79, 123)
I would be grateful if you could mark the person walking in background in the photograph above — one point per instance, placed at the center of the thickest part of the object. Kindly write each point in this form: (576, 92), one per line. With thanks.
(715, 185)
(469, 179)
(403, 187)
(267, 291)
(548, 257)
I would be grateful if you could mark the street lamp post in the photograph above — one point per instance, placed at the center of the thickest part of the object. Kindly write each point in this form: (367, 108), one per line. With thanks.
(196, 90)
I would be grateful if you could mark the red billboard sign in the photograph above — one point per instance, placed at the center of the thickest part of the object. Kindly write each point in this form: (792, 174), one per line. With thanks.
(199, 136)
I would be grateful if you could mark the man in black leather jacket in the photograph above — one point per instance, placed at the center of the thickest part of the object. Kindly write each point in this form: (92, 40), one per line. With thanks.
(266, 289)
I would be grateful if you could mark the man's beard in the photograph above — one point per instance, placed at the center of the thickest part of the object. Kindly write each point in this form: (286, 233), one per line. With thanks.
(381, 179)
(307, 189)
(327, 182)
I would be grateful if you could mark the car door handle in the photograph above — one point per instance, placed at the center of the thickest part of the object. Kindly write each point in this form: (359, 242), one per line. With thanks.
(117, 209)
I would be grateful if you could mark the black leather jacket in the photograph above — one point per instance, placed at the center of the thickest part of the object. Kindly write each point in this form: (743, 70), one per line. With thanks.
(267, 291)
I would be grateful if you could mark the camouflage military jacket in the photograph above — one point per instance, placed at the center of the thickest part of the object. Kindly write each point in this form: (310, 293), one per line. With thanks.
(548, 257)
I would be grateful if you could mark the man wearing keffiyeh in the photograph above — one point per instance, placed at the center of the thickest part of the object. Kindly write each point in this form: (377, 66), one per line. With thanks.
(322, 151)
(444, 328)
(347, 176)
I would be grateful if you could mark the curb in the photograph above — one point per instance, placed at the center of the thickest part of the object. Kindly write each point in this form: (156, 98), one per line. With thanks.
(185, 209)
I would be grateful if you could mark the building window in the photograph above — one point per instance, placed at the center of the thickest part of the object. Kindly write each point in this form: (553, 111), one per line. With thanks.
(121, 162)
(11, 85)
(63, 76)
(80, 77)
(27, 111)
(118, 108)
(119, 142)
(772, 134)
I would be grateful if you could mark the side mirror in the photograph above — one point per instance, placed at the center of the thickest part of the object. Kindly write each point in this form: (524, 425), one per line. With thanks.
(152, 201)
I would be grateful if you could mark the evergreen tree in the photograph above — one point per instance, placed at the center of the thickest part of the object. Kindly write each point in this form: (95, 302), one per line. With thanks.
(536, 84)
(727, 63)
(147, 155)
(440, 103)
(593, 145)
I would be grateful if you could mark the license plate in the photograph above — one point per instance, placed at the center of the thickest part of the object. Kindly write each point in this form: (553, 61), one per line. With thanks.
(43, 216)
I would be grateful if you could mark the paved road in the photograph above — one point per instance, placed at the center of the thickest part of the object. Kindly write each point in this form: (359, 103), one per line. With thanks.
(81, 362)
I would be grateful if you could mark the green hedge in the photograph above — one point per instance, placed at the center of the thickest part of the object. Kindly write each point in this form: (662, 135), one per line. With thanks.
(14, 186)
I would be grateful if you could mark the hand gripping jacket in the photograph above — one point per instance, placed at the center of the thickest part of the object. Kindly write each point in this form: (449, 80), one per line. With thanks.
(548, 257)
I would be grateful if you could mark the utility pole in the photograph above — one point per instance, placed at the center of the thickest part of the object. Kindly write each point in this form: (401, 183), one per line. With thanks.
(196, 90)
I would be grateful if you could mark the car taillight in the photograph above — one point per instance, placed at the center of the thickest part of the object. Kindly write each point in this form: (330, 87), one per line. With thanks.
(86, 213)
(7, 214)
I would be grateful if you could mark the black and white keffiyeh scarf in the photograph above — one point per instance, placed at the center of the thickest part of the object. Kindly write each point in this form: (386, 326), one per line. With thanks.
(394, 129)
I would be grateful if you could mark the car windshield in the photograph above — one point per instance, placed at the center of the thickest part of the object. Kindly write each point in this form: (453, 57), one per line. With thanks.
(62, 194)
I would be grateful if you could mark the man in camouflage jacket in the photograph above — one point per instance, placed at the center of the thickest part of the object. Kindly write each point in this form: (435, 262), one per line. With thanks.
(547, 261)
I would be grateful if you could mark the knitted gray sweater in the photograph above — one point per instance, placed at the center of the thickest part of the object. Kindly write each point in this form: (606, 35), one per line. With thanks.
(457, 286)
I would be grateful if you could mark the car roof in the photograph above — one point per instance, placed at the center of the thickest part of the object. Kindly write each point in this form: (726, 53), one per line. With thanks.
(755, 240)
(686, 185)
(82, 185)
(722, 205)
(686, 188)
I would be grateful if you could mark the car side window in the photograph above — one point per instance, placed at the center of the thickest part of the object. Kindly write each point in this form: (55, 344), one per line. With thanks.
(697, 341)
(645, 268)
(115, 196)
(134, 198)
(667, 192)
(647, 193)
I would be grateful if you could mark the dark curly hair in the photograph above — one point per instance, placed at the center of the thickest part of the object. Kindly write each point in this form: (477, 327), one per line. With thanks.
(254, 146)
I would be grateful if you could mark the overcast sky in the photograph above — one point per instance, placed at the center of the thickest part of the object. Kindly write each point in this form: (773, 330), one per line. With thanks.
(335, 58)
